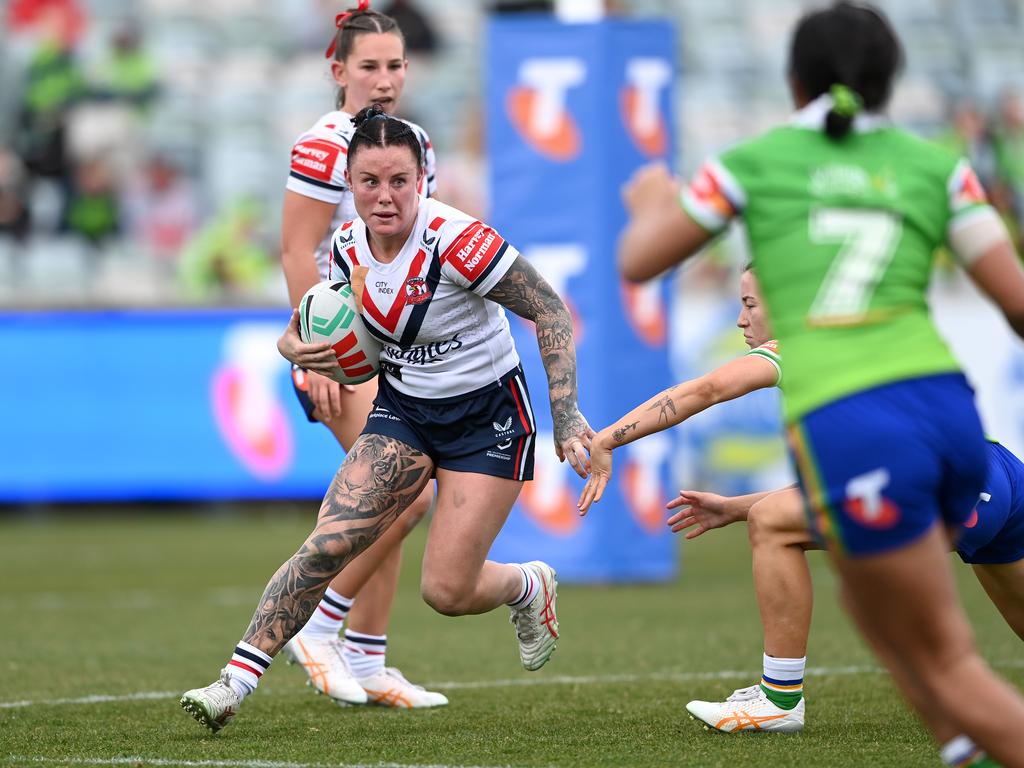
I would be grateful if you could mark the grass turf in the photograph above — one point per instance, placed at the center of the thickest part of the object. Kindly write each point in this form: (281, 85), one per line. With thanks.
(146, 606)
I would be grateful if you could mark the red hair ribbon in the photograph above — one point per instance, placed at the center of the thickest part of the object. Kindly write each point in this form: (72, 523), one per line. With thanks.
(339, 21)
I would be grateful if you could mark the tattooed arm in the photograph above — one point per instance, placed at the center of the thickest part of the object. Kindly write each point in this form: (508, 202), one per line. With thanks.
(523, 291)
(670, 407)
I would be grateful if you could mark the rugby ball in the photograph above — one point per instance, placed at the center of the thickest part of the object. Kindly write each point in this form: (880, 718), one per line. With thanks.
(328, 313)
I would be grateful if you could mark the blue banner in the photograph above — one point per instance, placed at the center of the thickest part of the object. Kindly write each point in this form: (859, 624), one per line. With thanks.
(573, 110)
(150, 405)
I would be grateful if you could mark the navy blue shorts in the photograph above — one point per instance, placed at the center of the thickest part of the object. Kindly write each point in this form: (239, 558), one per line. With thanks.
(994, 532)
(879, 468)
(489, 431)
(301, 386)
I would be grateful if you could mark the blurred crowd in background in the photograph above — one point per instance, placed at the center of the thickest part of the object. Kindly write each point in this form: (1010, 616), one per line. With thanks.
(144, 145)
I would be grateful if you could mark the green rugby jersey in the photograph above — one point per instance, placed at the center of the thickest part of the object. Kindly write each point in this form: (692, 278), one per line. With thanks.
(842, 235)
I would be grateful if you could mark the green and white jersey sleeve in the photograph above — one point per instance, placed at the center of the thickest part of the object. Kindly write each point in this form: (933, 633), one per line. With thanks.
(770, 352)
(714, 197)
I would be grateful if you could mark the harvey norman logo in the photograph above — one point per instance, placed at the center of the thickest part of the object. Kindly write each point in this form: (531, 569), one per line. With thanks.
(315, 158)
(536, 105)
(484, 233)
(640, 103)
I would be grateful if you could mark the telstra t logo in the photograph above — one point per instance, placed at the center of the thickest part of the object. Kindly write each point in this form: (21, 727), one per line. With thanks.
(641, 104)
(537, 106)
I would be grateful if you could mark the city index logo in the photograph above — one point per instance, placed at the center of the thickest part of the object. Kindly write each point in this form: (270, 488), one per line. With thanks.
(640, 105)
(536, 106)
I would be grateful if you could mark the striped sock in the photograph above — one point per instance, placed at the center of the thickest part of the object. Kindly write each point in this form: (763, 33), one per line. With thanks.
(329, 615)
(530, 587)
(962, 752)
(247, 665)
(364, 654)
(783, 680)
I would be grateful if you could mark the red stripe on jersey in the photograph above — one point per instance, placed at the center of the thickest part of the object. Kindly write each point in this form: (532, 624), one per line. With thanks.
(247, 668)
(315, 158)
(347, 225)
(436, 224)
(473, 251)
(352, 255)
(390, 321)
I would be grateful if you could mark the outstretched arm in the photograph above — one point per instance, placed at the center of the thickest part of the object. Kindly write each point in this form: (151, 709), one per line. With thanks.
(523, 291)
(659, 233)
(708, 511)
(670, 407)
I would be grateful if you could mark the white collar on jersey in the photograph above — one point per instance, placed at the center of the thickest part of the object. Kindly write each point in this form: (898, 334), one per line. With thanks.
(813, 116)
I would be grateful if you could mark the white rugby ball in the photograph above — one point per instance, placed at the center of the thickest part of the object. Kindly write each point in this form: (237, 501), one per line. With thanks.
(328, 313)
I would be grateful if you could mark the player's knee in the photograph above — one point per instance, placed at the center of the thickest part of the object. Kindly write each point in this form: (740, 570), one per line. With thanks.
(445, 597)
(771, 522)
(761, 528)
(941, 646)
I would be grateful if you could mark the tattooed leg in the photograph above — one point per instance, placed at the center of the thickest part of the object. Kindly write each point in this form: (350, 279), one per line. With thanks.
(379, 478)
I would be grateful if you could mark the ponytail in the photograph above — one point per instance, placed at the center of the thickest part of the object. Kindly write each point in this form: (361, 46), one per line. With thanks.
(850, 52)
(846, 103)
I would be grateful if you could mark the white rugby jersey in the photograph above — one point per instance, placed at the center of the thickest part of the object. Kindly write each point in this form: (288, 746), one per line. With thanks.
(318, 164)
(441, 337)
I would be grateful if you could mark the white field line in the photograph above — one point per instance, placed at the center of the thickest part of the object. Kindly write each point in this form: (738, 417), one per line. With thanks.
(455, 685)
(162, 761)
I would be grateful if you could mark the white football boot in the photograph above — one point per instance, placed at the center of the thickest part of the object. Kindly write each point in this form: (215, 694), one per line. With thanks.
(389, 688)
(748, 709)
(213, 706)
(325, 665)
(536, 622)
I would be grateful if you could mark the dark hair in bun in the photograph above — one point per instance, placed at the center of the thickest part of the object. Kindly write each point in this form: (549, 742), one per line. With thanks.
(376, 128)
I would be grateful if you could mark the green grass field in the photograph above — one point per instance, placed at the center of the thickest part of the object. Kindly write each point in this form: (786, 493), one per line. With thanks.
(104, 621)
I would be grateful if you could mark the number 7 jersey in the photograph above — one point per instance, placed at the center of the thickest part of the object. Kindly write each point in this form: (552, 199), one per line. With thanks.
(441, 338)
(843, 236)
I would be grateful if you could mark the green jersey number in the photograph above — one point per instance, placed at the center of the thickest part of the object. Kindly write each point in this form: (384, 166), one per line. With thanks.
(867, 243)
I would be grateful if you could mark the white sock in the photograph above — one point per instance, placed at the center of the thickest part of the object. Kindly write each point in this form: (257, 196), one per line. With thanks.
(530, 587)
(783, 680)
(364, 654)
(960, 751)
(247, 665)
(329, 615)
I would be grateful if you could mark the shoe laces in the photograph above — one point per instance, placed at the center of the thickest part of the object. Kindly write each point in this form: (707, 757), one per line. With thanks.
(221, 694)
(528, 626)
(337, 647)
(745, 694)
(396, 673)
